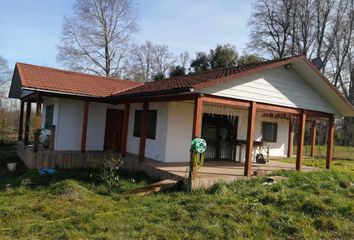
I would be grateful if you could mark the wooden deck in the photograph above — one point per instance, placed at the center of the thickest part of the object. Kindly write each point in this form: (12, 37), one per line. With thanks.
(211, 172)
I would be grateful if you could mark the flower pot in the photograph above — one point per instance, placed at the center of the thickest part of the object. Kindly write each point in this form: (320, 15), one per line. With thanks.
(11, 166)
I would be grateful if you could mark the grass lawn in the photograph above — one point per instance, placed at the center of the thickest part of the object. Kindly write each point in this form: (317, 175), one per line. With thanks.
(337, 164)
(76, 205)
(339, 152)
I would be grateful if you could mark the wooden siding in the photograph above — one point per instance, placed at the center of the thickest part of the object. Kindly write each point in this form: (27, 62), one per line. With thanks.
(277, 86)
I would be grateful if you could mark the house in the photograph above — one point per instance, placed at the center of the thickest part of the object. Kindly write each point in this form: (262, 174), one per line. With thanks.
(240, 111)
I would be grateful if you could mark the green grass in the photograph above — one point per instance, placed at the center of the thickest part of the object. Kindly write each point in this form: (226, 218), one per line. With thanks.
(339, 152)
(337, 164)
(76, 205)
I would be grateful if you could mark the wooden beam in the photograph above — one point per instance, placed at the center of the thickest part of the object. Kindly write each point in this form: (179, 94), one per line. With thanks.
(226, 101)
(300, 140)
(197, 117)
(330, 140)
(280, 109)
(123, 147)
(20, 126)
(84, 126)
(291, 138)
(27, 124)
(313, 138)
(250, 138)
(143, 130)
(167, 98)
(37, 123)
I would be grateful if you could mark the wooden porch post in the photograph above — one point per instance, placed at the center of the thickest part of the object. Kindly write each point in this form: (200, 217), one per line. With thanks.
(37, 123)
(313, 138)
(330, 142)
(84, 126)
(143, 130)
(250, 138)
(20, 126)
(300, 140)
(291, 138)
(27, 124)
(197, 117)
(123, 147)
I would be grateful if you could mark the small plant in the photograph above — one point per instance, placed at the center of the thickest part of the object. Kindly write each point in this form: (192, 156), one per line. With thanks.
(110, 170)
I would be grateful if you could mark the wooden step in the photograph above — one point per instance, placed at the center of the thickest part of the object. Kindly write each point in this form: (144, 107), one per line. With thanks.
(155, 187)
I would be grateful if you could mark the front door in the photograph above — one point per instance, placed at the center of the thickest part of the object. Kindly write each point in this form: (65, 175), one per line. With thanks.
(113, 133)
(219, 131)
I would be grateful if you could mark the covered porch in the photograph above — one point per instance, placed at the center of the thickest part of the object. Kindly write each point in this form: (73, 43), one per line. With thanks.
(245, 166)
(211, 173)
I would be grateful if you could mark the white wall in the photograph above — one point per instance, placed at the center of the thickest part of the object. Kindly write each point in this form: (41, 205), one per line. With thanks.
(68, 116)
(154, 148)
(179, 131)
(276, 86)
(96, 125)
(180, 123)
(173, 130)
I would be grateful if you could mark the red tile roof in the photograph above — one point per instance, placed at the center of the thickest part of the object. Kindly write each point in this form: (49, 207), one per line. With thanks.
(50, 79)
(205, 79)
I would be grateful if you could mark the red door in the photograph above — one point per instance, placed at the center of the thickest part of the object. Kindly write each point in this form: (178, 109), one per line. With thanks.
(113, 133)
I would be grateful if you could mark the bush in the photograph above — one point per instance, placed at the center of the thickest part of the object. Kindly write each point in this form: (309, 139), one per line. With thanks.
(109, 172)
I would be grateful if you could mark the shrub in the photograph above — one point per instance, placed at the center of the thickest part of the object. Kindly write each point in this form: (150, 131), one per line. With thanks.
(109, 172)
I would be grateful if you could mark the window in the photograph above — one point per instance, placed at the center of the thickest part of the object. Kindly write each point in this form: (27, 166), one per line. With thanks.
(48, 116)
(269, 131)
(151, 123)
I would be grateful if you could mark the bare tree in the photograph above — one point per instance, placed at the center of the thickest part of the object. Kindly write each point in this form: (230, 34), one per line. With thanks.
(4, 71)
(149, 61)
(271, 27)
(95, 39)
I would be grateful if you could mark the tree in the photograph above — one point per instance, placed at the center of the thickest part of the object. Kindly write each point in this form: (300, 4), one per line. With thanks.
(271, 27)
(223, 56)
(248, 59)
(95, 39)
(201, 63)
(148, 61)
(177, 71)
(4, 71)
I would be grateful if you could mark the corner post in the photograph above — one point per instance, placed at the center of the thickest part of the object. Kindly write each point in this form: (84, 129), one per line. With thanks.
(27, 124)
(291, 138)
(20, 126)
(250, 138)
(37, 122)
(84, 126)
(197, 117)
(300, 140)
(313, 138)
(123, 147)
(143, 130)
(330, 141)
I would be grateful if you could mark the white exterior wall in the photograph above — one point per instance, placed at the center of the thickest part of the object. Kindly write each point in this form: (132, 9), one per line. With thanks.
(180, 123)
(154, 148)
(179, 131)
(277, 86)
(68, 130)
(68, 116)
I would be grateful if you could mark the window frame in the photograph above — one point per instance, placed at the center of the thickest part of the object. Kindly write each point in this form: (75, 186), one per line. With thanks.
(274, 137)
(47, 125)
(152, 124)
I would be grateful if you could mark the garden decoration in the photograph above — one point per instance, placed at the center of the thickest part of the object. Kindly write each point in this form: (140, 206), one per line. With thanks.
(197, 156)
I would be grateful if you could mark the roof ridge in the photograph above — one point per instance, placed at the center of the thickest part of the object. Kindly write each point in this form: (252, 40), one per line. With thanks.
(74, 72)
(231, 67)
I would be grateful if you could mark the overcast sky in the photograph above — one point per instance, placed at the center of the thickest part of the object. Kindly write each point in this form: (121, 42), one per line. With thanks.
(30, 29)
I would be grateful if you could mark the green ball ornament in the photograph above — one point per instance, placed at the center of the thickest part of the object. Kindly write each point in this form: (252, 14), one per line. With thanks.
(198, 145)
